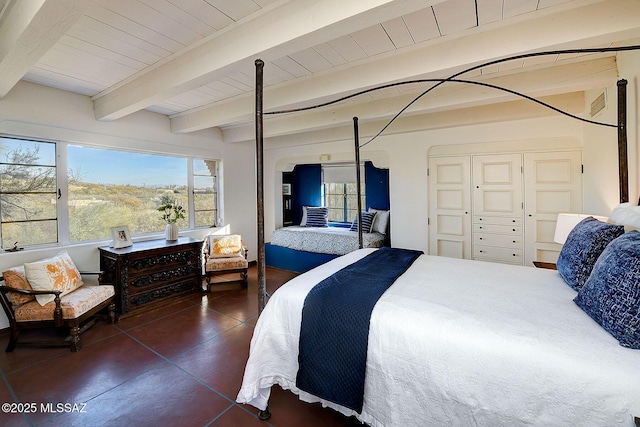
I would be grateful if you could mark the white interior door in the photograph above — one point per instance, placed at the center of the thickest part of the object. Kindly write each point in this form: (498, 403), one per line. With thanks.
(553, 184)
(497, 185)
(449, 206)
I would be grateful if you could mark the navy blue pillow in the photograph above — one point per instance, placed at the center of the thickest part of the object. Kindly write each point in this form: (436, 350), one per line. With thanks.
(317, 217)
(611, 295)
(367, 222)
(584, 245)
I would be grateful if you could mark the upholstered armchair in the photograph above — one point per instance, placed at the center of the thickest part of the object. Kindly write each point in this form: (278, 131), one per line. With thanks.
(49, 293)
(226, 254)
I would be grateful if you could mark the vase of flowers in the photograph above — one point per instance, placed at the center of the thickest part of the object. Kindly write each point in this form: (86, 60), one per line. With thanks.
(171, 213)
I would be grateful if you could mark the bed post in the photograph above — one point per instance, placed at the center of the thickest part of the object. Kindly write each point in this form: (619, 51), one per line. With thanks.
(623, 171)
(358, 189)
(260, 188)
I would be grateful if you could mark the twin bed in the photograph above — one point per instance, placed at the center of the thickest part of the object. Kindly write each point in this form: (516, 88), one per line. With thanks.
(300, 248)
(326, 240)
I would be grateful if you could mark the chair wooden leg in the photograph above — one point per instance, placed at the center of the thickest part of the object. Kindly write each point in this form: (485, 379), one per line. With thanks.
(13, 340)
(75, 339)
(112, 313)
(245, 282)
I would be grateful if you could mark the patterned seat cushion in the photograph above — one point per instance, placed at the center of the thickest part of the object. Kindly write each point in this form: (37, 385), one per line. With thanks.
(73, 304)
(219, 264)
(611, 295)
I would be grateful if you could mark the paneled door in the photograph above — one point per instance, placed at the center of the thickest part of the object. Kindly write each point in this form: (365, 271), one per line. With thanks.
(497, 208)
(553, 184)
(450, 206)
(497, 185)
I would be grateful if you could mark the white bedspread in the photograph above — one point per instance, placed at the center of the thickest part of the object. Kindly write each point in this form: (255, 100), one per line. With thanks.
(324, 240)
(464, 343)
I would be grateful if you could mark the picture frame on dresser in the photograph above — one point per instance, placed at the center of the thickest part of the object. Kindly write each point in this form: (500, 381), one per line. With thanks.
(121, 237)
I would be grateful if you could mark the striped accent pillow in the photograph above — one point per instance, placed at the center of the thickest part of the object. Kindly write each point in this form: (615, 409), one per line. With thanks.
(317, 217)
(367, 222)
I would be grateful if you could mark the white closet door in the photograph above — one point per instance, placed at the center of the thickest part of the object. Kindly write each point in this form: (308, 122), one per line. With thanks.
(449, 207)
(497, 185)
(553, 184)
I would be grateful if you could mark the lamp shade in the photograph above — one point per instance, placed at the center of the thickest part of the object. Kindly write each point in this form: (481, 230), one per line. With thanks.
(566, 222)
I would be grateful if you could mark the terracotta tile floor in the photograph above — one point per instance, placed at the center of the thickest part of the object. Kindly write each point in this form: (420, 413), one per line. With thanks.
(179, 366)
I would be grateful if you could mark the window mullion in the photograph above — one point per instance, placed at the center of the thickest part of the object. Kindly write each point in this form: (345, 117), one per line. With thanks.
(345, 204)
(190, 194)
(62, 204)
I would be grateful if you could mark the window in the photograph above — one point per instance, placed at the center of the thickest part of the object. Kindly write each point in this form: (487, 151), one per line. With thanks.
(205, 192)
(90, 190)
(28, 192)
(340, 192)
(108, 188)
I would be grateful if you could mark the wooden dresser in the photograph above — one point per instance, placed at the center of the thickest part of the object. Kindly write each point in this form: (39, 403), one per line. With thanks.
(151, 273)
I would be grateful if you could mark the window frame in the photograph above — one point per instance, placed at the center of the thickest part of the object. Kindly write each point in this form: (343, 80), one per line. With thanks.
(62, 190)
(55, 193)
(345, 194)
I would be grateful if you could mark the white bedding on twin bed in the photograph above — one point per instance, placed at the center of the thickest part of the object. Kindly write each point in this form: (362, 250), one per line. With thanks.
(458, 342)
(325, 240)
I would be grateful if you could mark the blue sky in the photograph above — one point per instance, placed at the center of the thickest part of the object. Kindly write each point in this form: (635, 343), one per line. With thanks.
(117, 167)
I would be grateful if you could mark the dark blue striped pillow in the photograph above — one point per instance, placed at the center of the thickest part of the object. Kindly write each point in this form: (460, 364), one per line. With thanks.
(317, 217)
(367, 222)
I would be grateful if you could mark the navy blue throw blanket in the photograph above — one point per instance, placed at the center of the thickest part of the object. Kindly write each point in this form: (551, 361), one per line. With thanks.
(335, 326)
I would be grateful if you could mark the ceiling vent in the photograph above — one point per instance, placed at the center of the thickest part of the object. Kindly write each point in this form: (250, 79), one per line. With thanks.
(598, 104)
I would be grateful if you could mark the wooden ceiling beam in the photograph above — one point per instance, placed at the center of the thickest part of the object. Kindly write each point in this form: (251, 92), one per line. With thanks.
(592, 24)
(547, 81)
(28, 29)
(274, 32)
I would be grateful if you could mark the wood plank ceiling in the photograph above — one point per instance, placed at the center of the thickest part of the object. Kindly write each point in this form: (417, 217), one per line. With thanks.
(192, 60)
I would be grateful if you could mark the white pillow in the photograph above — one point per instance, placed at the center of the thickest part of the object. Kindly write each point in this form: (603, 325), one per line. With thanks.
(57, 273)
(627, 215)
(381, 221)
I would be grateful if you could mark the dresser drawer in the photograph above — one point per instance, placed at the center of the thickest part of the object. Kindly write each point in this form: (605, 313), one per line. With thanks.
(512, 256)
(141, 282)
(502, 240)
(497, 220)
(514, 230)
(152, 294)
(153, 262)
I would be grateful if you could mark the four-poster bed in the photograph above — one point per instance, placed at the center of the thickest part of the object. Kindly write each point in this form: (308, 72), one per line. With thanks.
(512, 349)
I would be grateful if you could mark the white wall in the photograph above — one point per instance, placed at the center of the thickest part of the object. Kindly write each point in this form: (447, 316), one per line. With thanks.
(239, 189)
(629, 66)
(37, 111)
